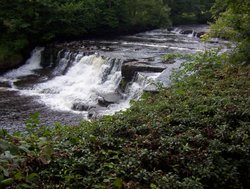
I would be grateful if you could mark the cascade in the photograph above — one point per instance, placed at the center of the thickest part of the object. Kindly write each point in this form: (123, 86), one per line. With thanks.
(64, 60)
(81, 83)
(192, 34)
(177, 30)
(68, 82)
(32, 64)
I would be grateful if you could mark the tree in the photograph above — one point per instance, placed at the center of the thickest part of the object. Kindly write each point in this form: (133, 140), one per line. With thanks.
(148, 13)
(189, 11)
(233, 23)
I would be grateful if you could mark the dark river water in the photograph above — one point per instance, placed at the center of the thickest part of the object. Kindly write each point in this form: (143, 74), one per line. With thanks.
(71, 82)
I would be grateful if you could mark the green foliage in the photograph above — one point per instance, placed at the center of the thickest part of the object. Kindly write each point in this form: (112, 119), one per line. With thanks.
(151, 13)
(172, 56)
(232, 22)
(4, 52)
(194, 134)
(190, 11)
(197, 62)
(25, 23)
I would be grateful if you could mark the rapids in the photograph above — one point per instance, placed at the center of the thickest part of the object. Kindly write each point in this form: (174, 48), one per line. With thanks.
(70, 82)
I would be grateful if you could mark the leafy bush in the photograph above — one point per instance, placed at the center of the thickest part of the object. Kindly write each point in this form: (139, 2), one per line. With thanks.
(232, 22)
(194, 134)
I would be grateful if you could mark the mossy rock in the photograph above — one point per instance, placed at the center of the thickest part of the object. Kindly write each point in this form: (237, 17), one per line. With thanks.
(11, 61)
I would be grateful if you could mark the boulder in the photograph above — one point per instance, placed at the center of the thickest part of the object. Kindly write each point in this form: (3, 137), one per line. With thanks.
(92, 114)
(200, 34)
(95, 112)
(152, 88)
(109, 98)
(129, 69)
(49, 55)
(169, 61)
(78, 106)
(186, 32)
(170, 29)
(5, 84)
(12, 61)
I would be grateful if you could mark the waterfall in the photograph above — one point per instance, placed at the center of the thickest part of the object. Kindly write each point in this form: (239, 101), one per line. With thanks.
(82, 82)
(177, 31)
(68, 82)
(32, 64)
(192, 34)
(64, 61)
(78, 83)
(133, 91)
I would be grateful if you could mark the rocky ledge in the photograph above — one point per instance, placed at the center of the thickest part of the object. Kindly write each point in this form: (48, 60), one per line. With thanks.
(131, 67)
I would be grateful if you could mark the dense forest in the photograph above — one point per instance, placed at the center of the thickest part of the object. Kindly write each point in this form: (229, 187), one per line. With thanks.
(193, 134)
(27, 23)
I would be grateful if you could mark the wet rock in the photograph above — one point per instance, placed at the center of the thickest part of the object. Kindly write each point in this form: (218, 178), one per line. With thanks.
(170, 29)
(102, 102)
(49, 56)
(109, 98)
(95, 112)
(214, 40)
(151, 59)
(12, 61)
(170, 61)
(80, 107)
(129, 69)
(122, 86)
(186, 32)
(200, 34)
(152, 88)
(5, 84)
(92, 114)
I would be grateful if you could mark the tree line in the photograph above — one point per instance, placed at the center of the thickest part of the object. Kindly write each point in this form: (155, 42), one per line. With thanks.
(26, 23)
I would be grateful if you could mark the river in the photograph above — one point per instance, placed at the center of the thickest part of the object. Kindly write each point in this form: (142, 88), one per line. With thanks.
(74, 81)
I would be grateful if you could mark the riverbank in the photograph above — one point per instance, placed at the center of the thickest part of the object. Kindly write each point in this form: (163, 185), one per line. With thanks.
(194, 134)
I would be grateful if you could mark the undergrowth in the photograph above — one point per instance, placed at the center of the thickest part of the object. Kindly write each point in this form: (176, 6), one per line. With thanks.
(194, 134)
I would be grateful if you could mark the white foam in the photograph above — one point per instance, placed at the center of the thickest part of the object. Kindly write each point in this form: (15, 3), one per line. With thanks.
(162, 46)
(33, 63)
(82, 83)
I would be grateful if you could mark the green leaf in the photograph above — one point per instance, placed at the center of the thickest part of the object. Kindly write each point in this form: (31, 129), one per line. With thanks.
(6, 173)
(18, 176)
(33, 177)
(1, 177)
(153, 186)
(3, 132)
(118, 183)
(24, 185)
(7, 182)
(24, 149)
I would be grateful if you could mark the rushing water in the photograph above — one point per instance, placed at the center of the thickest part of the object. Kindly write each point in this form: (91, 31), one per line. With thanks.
(84, 79)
